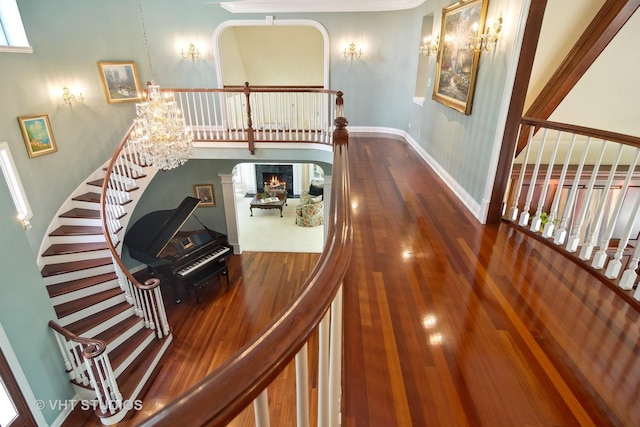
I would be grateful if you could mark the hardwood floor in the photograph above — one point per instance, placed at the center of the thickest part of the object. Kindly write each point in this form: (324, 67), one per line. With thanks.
(447, 322)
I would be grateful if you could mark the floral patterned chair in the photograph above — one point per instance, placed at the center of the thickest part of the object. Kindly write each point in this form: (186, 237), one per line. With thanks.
(310, 210)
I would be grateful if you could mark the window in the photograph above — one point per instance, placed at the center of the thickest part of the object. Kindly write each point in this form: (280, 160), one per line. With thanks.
(12, 35)
(18, 195)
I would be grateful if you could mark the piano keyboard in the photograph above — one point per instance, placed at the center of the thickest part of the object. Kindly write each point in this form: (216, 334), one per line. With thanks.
(190, 268)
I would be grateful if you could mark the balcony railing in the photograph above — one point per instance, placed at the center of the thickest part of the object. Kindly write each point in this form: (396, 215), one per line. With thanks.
(260, 114)
(289, 115)
(579, 189)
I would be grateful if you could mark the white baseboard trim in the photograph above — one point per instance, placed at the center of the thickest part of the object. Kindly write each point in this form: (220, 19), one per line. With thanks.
(473, 206)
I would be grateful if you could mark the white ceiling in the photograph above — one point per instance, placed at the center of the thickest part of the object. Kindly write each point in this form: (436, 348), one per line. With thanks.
(282, 6)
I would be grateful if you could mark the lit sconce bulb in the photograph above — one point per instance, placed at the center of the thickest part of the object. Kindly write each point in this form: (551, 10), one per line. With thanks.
(429, 46)
(191, 52)
(68, 96)
(352, 51)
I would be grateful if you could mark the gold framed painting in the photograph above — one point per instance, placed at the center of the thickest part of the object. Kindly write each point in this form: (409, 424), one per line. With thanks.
(457, 65)
(205, 193)
(37, 134)
(120, 81)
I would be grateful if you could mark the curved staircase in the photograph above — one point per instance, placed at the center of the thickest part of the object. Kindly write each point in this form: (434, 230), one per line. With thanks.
(88, 298)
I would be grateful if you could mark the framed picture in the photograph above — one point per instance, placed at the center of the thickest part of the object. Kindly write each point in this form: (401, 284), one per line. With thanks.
(204, 192)
(37, 134)
(457, 64)
(120, 81)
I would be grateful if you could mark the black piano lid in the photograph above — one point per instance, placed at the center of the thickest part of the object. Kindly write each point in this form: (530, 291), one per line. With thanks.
(153, 232)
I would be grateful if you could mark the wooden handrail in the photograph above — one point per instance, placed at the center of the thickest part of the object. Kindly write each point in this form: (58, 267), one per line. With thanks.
(223, 394)
(92, 347)
(582, 130)
(151, 283)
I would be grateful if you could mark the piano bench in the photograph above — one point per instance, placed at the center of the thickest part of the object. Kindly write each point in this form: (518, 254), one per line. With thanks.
(201, 284)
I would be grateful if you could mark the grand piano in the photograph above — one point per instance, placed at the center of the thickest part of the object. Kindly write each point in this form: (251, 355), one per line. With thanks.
(181, 257)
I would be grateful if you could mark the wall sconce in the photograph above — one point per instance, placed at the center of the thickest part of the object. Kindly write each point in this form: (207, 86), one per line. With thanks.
(26, 224)
(69, 97)
(489, 39)
(191, 52)
(352, 51)
(429, 46)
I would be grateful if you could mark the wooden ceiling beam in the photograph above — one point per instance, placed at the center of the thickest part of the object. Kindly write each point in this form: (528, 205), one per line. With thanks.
(602, 29)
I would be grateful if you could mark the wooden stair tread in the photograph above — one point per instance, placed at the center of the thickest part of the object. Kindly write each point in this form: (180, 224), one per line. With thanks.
(96, 183)
(71, 307)
(81, 213)
(68, 267)
(81, 326)
(118, 329)
(74, 248)
(75, 285)
(88, 197)
(118, 355)
(77, 230)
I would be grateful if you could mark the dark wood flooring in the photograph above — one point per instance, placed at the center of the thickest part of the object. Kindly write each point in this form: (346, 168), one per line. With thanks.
(447, 322)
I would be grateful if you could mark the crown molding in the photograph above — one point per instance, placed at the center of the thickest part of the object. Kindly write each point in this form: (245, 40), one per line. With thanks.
(285, 6)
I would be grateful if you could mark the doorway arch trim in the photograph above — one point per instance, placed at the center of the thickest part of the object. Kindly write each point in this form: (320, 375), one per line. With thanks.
(270, 21)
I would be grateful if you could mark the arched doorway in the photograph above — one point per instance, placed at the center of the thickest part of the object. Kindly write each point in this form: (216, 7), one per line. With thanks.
(272, 53)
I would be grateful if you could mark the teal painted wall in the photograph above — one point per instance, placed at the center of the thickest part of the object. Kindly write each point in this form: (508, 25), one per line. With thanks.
(25, 310)
(70, 36)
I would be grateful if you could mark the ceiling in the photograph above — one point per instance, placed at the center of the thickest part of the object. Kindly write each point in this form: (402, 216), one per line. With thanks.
(282, 6)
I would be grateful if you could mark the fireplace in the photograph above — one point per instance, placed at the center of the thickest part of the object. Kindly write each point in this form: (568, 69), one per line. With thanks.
(273, 173)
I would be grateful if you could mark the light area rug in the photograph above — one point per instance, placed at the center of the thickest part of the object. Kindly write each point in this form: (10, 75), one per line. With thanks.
(265, 231)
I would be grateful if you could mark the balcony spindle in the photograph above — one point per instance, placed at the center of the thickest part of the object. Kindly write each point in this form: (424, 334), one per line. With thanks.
(261, 409)
(561, 234)
(512, 214)
(601, 256)
(524, 216)
(574, 238)
(536, 221)
(549, 227)
(596, 223)
(302, 387)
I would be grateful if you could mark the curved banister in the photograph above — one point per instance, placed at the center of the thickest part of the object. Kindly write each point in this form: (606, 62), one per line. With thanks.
(93, 347)
(223, 394)
(105, 228)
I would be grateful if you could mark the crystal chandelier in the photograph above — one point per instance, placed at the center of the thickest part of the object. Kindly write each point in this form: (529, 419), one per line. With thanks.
(160, 135)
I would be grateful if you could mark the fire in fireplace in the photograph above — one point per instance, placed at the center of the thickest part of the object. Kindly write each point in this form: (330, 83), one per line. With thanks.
(275, 176)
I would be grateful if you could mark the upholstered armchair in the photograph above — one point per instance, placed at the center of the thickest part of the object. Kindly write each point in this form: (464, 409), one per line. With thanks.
(310, 210)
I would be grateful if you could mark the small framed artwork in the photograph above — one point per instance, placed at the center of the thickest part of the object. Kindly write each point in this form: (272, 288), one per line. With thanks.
(37, 134)
(457, 64)
(120, 81)
(204, 192)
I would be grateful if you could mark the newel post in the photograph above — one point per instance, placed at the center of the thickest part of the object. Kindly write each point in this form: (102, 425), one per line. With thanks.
(340, 133)
(247, 93)
(339, 104)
